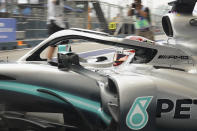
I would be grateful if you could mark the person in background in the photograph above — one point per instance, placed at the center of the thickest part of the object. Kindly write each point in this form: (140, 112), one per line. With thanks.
(142, 19)
(55, 21)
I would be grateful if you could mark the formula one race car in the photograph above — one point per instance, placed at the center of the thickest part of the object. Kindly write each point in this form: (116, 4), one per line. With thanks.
(154, 88)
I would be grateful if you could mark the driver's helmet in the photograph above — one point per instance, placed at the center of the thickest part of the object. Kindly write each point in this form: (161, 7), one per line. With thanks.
(122, 55)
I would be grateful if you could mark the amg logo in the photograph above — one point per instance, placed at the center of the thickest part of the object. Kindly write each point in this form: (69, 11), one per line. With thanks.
(173, 57)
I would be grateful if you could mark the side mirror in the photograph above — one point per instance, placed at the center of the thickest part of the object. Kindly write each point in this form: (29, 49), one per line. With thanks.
(66, 58)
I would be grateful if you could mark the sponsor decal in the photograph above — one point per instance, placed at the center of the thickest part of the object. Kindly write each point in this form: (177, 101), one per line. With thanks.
(181, 108)
(173, 57)
(137, 116)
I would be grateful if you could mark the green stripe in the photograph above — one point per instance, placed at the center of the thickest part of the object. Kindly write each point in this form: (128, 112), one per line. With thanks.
(79, 102)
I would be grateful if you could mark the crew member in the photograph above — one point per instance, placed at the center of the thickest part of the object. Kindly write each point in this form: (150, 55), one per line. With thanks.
(142, 19)
(55, 21)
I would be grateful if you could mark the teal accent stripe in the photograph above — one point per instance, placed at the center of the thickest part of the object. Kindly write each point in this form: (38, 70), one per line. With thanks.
(79, 102)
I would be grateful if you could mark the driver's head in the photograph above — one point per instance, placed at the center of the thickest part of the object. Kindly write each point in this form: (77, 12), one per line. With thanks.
(120, 57)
